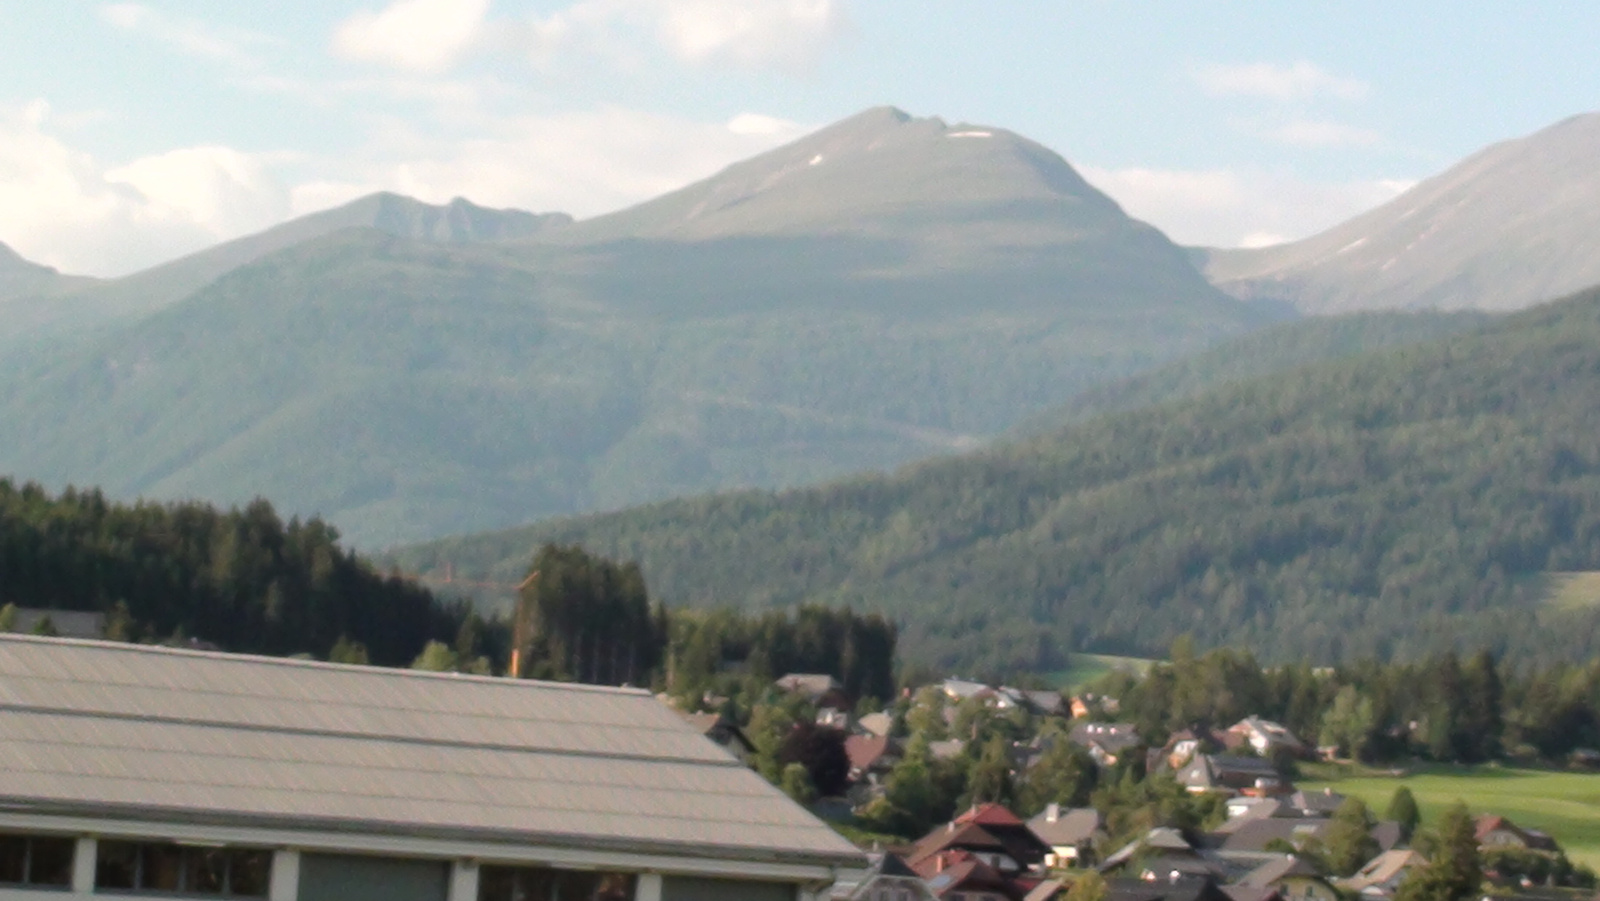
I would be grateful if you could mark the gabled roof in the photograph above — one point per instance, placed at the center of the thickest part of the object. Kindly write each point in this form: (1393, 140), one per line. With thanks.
(1114, 737)
(963, 869)
(866, 750)
(1269, 873)
(1069, 827)
(1323, 802)
(99, 729)
(952, 835)
(1257, 834)
(990, 814)
(1385, 867)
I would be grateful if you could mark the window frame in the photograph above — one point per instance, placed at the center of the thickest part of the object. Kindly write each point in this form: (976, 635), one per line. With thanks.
(189, 861)
(28, 881)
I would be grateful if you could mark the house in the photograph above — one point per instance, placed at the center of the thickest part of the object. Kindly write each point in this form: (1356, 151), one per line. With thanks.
(876, 723)
(1382, 875)
(1071, 833)
(988, 832)
(959, 690)
(1234, 775)
(1048, 890)
(1181, 747)
(1106, 741)
(132, 769)
(820, 689)
(1293, 879)
(725, 732)
(959, 876)
(1172, 887)
(1244, 809)
(1264, 737)
(1162, 853)
(1496, 833)
(1266, 834)
(887, 878)
(1048, 703)
(871, 757)
(1316, 804)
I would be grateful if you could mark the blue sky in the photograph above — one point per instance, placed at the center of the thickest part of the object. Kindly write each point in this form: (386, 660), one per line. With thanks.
(134, 132)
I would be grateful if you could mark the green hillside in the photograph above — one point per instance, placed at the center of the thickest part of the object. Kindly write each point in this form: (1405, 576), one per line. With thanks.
(1382, 505)
(1276, 348)
(737, 334)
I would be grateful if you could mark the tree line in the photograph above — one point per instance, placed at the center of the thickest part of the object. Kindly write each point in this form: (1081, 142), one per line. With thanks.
(241, 578)
(1448, 707)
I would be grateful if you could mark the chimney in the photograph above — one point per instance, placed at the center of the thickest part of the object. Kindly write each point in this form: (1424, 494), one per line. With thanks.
(1052, 813)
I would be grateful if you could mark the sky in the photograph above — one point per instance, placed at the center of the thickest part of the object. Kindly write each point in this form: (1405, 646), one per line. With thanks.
(132, 133)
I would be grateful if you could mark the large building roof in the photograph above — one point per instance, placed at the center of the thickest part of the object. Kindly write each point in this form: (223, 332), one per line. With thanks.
(102, 729)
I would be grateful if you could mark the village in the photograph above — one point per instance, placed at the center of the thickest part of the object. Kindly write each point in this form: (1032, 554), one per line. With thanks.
(1258, 837)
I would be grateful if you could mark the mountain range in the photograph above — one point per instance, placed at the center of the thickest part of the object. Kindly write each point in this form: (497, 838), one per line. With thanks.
(886, 288)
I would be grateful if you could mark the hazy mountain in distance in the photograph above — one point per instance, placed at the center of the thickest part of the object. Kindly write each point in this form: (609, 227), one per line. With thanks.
(93, 304)
(408, 389)
(1513, 225)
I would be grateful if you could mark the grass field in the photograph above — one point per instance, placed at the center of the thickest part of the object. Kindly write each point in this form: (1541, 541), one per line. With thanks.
(1086, 668)
(1566, 805)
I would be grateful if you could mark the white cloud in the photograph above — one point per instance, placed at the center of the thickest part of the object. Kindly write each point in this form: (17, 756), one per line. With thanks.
(1302, 80)
(582, 163)
(415, 35)
(1225, 208)
(1322, 133)
(748, 34)
(60, 206)
(190, 36)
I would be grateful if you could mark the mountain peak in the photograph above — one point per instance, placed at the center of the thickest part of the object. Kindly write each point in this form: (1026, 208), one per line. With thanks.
(880, 168)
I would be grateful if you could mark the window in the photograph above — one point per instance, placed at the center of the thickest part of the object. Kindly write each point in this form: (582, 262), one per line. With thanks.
(179, 870)
(36, 860)
(541, 884)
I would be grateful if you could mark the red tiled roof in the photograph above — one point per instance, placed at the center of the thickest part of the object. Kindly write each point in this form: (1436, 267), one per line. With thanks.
(990, 815)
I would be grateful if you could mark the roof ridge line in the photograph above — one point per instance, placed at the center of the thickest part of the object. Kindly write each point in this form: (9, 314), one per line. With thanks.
(370, 669)
(302, 731)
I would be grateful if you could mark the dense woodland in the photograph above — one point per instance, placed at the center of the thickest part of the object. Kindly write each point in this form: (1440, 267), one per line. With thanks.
(1386, 506)
(242, 579)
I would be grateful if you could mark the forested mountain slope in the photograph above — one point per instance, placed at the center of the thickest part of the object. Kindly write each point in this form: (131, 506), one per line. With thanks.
(1513, 225)
(1382, 505)
(1276, 348)
(920, 289)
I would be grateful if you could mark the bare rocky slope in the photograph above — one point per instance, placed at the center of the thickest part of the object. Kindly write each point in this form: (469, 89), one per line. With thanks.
(1513, 225)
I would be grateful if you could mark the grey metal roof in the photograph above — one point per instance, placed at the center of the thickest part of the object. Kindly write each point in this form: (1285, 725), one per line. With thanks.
(100, 728)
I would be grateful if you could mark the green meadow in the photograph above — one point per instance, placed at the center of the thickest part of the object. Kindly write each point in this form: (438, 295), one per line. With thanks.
(1086, 668)
(1564, 804)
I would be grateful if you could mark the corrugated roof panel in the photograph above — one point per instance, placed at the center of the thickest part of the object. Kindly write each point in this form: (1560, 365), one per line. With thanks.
(87, 723)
